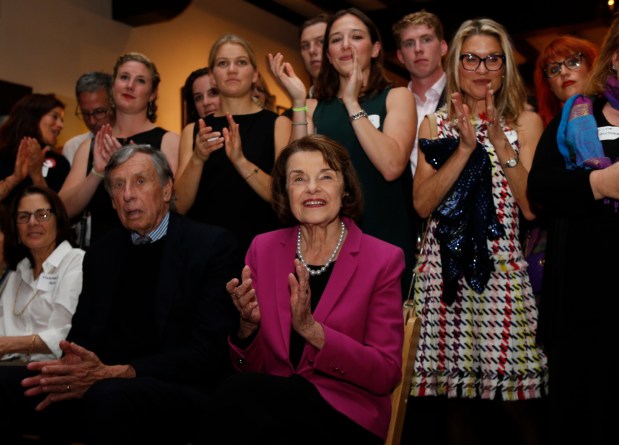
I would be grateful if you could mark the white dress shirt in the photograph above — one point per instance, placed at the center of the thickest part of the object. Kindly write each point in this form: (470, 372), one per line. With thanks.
(48, 301)
(71, 146)
(433, 96)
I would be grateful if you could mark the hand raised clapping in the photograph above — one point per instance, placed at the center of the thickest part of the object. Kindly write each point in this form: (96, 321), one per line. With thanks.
(105, 146)
(207, 141)
(285, 75)
(244, 298)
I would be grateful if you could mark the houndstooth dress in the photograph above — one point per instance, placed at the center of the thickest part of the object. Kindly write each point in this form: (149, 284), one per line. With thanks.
(482, 345)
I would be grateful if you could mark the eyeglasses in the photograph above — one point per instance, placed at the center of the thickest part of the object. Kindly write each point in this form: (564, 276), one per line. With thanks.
(41, 215)
(572, 62)
(97, 113)
(493, 62)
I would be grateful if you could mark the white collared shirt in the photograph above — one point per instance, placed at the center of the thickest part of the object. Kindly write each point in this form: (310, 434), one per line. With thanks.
(433, 96)
(49, 313)
(70, 147)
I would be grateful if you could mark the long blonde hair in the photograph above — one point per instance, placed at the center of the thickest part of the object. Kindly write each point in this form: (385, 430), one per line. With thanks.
(511, 97)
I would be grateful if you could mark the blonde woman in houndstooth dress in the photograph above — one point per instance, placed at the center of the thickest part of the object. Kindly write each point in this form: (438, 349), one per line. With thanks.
(478, 329)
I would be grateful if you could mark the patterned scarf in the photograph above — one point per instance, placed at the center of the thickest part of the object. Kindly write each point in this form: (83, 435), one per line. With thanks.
(577, 136)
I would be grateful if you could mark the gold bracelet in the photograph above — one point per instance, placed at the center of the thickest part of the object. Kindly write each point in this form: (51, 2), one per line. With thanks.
(31, 348)
(299, 123)
(254, 171)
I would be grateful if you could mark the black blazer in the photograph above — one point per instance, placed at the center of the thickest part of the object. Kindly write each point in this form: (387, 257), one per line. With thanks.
(194, 313)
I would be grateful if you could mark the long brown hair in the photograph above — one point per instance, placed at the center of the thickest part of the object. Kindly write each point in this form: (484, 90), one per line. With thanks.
(329, 79)
(24, 120)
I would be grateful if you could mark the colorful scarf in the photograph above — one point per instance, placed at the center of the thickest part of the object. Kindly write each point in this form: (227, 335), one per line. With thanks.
(577, 136)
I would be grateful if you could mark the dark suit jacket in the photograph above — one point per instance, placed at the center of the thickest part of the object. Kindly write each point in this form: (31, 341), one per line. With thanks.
(360, 310)
(194, 313)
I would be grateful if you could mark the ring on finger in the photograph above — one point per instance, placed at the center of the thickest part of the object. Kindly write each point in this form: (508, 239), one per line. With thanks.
(68, 388)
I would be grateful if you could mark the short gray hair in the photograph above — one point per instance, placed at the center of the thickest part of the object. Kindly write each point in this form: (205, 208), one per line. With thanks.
(93, 81)
(126, 152)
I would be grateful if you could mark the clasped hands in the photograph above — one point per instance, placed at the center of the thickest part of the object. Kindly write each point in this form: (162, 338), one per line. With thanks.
(208, 141)
(465, 126)
(285, 75)
(244, 298)
(70, 376)
(29, 160)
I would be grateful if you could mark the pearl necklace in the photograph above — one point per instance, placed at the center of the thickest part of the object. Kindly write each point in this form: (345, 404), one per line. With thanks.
(331, 258)
(20, 312)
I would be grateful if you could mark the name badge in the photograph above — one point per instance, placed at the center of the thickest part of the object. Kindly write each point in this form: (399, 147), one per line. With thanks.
(608, 133)
(47, 281)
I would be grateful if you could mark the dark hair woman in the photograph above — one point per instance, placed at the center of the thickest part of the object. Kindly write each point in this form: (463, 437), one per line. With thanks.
(27, 141)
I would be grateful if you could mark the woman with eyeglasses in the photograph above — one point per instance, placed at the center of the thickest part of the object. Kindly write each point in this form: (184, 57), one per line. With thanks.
(41, 293)
(28, 140)
(561, 70)
(472, 291)
(574, 184)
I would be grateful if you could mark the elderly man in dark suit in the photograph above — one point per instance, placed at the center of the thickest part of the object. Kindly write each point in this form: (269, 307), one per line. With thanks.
(149, 336)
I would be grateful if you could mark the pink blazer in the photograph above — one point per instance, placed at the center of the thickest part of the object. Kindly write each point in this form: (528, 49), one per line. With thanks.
(361, 311)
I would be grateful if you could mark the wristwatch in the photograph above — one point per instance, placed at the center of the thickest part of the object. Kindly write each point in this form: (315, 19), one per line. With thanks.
(511, 163)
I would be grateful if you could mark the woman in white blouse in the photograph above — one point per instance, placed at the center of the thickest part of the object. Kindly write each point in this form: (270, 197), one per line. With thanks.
(40, 294)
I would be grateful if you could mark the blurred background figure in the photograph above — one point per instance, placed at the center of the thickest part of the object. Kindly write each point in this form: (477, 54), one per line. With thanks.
(201, 97)
(201, 100)
(28, 140)
(311, 40)
(94, 107)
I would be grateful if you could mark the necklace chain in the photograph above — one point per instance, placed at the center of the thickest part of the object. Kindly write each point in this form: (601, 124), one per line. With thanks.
(22, 310)
(331, 258)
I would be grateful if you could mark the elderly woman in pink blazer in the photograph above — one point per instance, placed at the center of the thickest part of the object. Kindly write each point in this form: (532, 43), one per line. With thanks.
(320, 337)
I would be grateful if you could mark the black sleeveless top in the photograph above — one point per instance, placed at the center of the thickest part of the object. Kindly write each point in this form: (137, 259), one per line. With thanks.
(224, 198)
(103, 215)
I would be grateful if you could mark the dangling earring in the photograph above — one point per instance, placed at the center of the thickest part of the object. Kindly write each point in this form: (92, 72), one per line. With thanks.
(150, 111)
(613, 69)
